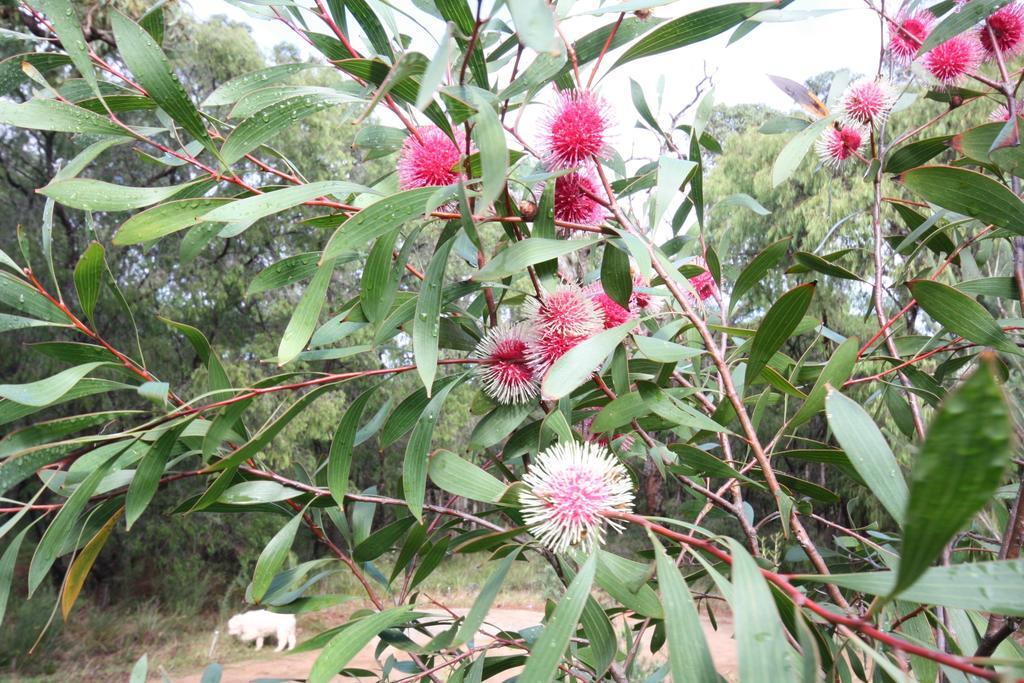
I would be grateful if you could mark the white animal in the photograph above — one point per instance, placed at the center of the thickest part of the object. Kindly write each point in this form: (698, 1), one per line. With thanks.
(259, 624)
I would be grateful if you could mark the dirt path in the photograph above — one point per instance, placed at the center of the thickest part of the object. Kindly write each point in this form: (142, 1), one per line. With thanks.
(286, 667)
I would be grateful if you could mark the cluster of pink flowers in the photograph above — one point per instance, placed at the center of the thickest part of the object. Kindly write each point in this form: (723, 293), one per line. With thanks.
(514, 358)
(575, 132)
(1002, 33)
(430, 158)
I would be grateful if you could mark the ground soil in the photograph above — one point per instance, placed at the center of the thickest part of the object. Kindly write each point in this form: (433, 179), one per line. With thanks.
(270, 665)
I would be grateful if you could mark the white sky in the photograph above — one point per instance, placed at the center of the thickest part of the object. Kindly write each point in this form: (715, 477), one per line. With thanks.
(847, 38)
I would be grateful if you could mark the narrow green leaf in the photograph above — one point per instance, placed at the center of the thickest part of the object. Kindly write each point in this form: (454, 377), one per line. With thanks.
(353, 638)
(760, 635)
(835, 373)
(968, 192)
(381, 217)
(140, 670)
(482, 605)
(339, 461)
(489, 135)
(60, 117)
(264, 124)
(235, 89)
(916, 153)
(580, 362)
(616, 280)
(692, 28)
(273, 556)
(672, 173)
(79, 569)
(88, 276)
(514, 259)
(7, 563)
(757, 269)
(796, 149)
(46, 391)
(67, 26)
(961, 463)
(778, 325)
(57, 535)
(417, 451)
(166, 218)
(259, 206)
(152, 69)
(462, 478)
(147, 475)
(96, 195)
(996, 586)
(535, 23)
(426, 325)
(436, 70)
(307, 312)
(688, 653)
(961, 315)
(868, 452)
(549, 649)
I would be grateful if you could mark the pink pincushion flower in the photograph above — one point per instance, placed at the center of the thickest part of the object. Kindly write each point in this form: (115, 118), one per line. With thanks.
(428, 160)
(567, 310)
(572, 487)
(576, 128)
(836, 146)
(950, 61)
(868, 101)
(1002, 112)
(1007, 26)
(704, 284)
(565, 317)
(504, 369)
(573, 204)
(641, 300)
(909, 33)
(611, 311)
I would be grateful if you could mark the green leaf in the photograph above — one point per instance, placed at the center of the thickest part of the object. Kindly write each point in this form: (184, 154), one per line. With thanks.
(377, 286)
(984, 586)
(661, 403)
(60, 117)
(688, 653)
(147, 475)
(835, 373)
(462, 478)
(824, 266)
(482, 605)
(88, 276)
(140, 670)
(259, 206)
(580, 362)
(516, 257)
(218, 378)
(273, 557)
(417, 450)
(235, 89)
(18, 294)
(616, 280)
(489, 135)
(166, 218)
(353, 638)
(548, 651)
(959, 468)
(626, 581)
(661, 351)
(96, 195)
(269, 121)
(256, 492)
(67, 26)
(692, 28)
(46, 391)
(760, 635)
(868, 452)
(339, 461)
(778, 325)
(969, 193)
(672, 173)
(79, 569)
(57, 535)
(7, 563)
(381, 217)
(961, 315)
(499, 423)
(426, 325)
(535, 24)
(285, 272)
(150, 66)
(916, 153)
(796, 149)
(757, 269)
(307, 312)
